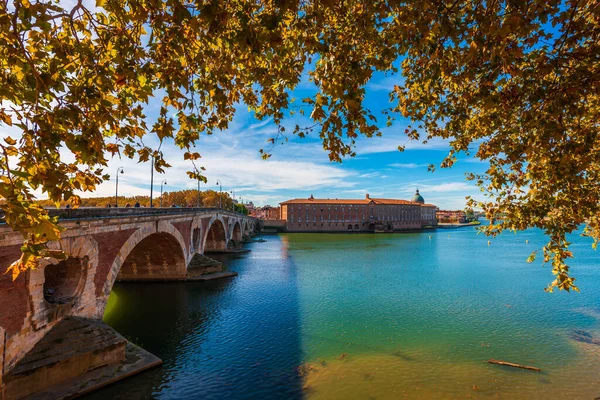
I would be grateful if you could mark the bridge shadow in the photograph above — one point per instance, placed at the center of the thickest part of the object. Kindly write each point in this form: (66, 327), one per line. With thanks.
(236, 338)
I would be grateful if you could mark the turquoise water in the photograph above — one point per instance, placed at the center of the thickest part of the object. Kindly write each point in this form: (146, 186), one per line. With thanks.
(368, 316)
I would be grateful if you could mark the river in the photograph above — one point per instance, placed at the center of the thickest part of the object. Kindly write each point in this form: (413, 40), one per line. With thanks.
(359, 316)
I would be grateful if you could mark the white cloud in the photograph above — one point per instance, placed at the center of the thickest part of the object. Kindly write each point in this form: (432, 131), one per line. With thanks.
(359, 191)
(238, 169)
(407, 165)
(446, 187)
(386, 84)
(390, 141)
(473, 160)
(450, 195)
(260, 124)
(369, 175)
(448, 202)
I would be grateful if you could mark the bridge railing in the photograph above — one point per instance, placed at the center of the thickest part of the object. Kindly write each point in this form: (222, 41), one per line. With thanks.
(116, 212)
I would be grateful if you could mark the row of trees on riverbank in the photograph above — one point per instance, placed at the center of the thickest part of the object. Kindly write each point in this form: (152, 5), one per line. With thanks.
(180, 198)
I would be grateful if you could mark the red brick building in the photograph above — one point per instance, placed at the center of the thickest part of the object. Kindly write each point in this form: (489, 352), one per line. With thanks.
(362, 215)
(267, 213)
(451, 216)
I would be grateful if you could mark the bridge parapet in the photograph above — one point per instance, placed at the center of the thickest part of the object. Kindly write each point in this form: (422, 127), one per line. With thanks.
(101, 212)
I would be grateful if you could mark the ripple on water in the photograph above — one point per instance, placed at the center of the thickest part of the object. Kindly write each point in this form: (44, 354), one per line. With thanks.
(369, 316)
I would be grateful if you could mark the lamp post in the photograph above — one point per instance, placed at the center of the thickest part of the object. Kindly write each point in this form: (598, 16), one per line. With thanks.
(242, 203)
(164, 182)
(120, 169)
(220, 199)
(151, 179)
(232, 200)
(198, 180)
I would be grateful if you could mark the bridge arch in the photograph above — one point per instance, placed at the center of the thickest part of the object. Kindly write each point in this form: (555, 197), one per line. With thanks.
(215, 238)
(155, 251)
(158, 256)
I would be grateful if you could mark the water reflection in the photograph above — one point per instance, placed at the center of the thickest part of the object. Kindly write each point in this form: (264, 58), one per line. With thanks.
(369, 316)
(234, 338)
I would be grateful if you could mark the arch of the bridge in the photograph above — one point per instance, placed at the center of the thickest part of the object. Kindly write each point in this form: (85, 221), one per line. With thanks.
(158, 256)
(215, 238)
(153, 252)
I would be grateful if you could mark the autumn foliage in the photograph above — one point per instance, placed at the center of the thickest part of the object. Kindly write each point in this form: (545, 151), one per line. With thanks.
(514, 83)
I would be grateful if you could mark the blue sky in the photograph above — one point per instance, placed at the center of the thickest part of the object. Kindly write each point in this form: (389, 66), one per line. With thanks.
(300, 167)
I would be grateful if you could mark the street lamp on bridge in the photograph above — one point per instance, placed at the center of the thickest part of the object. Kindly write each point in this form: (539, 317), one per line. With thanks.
(120, 169)
(232, 199)
(164, 182)
(220, 199)
(151, 179)
(198, 179)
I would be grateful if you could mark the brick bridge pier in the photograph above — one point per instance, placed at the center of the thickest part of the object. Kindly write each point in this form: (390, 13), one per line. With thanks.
(53, 343)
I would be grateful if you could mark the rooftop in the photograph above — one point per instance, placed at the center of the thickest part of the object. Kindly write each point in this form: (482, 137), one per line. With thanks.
(365, 201)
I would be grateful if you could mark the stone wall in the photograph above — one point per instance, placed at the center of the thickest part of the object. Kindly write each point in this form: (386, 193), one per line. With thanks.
(2, 340)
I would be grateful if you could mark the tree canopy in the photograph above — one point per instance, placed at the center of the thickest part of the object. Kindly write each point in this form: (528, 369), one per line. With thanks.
(180, 198)
(514, 83)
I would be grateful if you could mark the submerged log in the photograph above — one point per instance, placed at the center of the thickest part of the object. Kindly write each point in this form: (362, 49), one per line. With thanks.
(509, 364)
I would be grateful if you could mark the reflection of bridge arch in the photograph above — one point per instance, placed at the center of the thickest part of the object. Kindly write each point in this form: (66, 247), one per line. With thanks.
(216, 237)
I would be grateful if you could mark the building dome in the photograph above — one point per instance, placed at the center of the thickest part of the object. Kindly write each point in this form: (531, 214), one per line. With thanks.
(417, 198)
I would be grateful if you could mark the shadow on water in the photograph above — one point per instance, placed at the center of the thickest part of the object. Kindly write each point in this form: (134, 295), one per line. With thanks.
(237, 338)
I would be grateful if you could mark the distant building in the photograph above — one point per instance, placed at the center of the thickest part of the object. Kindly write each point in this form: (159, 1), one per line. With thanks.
(271, 213)
(449, 216)
(266, 213)
(362, 215)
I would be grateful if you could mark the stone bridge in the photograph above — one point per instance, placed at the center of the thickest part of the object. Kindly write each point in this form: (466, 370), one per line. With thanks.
(105, 245)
